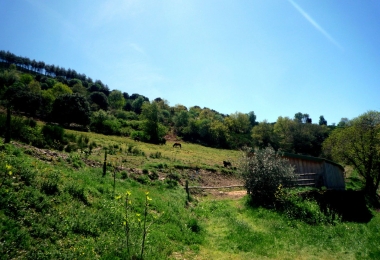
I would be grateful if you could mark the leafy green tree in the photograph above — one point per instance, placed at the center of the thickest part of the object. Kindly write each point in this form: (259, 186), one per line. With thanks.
(60, 89)
(71, 108)
(358, 145)
(263, 135)
(181, 120)
(79, 88)
(296, 137)
(283, 129)
(26, 78)
(265, 173)
(116, 100)
(151, 126)
(99, 101)
(218, 134)
(137, 104)
(298, 117)
(22, 99)
(301, 118)
(73, 82)
(252, 118)
(344, 122)
(322, 120)
(7, 79)
(47, 102)
(34, 86)
(238, 123)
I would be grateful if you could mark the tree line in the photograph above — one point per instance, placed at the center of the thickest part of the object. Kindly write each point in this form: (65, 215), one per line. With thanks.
(66, 97)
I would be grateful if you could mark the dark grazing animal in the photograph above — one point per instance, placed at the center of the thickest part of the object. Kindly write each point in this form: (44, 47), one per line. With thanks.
(226, 164)
(177, 145)
(136, 138)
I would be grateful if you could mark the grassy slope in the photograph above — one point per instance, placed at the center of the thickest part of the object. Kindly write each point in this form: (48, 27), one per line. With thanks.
(236, 231)
(82, 219)
(190, 154)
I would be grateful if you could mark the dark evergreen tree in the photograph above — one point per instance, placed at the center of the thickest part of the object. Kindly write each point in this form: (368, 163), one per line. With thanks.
(71, 108)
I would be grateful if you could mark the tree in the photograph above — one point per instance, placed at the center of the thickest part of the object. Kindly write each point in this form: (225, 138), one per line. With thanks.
(21, 98)
(137, 104)
(60, 89)
(263, 135)
(252, 118)
(302, 118)
(283, 129)
(322, 120)
(296, 137)
(99, 101)
(7, 79)
(238, 123)
(344, 122)
(358, 145)
(153, 130)
(71, 108)
(264, 174)
(181, 120)
(218, 134)
(116, 100)
(79, 88)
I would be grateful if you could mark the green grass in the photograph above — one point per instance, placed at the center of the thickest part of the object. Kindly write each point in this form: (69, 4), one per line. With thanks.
(235, 230)
(190, 155)
(65, 209)
(55, 211)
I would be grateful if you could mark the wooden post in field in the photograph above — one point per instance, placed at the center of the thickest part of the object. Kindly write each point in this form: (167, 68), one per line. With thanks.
(187, 190)
(105, 164)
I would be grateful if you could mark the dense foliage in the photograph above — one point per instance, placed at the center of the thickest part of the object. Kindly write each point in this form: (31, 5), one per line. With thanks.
(40, 89)
(358, 144)
(265, 173)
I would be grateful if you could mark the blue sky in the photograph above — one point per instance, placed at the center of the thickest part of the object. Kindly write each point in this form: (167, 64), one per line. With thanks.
(273, 57)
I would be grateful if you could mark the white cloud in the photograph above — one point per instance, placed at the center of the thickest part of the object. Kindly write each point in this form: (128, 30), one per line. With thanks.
(315, 24)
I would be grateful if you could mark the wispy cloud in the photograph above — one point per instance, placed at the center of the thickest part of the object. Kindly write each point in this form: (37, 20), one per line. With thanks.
(137, 48)
(315, 24)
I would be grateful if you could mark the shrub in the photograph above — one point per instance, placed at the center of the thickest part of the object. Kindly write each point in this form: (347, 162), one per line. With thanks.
(50, 185)
(124, 175)
(156, 155)
(265, 173)
(194, 225)
(78, 192)
(154, 175)
(143, 179)
(53, 133)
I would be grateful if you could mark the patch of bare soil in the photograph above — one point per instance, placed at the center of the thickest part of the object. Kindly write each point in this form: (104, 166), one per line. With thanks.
(51, 155)
(217, 185)
(237, 194)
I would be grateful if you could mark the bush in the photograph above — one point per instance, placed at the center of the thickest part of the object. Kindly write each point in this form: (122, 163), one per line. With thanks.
(50, 185)
(265, 173)
(53, 133)
(154, 175)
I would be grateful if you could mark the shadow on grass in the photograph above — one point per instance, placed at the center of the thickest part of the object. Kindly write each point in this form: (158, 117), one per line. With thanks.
(315, 206)
(351, 205)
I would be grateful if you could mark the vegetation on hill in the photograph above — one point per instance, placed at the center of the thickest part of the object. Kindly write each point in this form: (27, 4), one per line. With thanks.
(114, 189)
(62, 96)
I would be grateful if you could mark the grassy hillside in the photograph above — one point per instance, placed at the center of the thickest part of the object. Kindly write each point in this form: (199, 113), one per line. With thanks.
(58, 205)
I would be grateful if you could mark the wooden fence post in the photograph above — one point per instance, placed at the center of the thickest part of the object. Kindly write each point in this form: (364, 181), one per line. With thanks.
(105, 164)
(187, 190)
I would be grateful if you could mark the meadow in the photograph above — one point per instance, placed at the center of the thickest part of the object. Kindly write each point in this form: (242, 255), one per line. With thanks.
(60, 205)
